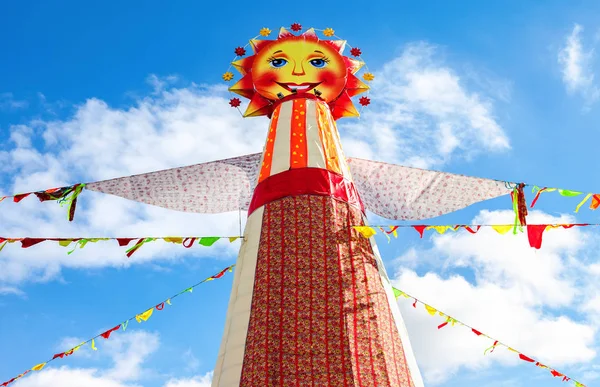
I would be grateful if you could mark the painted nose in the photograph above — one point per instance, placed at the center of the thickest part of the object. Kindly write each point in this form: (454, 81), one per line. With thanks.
(298, 70)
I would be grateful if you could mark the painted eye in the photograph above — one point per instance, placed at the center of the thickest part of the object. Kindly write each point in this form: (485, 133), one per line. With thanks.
(318, 63)
(277, 63)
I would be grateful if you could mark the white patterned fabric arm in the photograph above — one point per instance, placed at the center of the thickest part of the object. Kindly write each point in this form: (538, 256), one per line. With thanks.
(214, 187)
(403, 193)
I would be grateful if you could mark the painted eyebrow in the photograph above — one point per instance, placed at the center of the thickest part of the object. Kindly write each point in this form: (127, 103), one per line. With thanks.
(276, 52)
(320, 52)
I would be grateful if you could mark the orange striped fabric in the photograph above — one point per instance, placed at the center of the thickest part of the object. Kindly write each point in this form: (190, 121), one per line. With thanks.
(265, 170)
(298, 148)
(330, 150)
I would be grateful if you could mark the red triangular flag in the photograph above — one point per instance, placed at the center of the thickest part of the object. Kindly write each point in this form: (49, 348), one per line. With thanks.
(523, 357)
(420, 230)
(28, 242)
(106, 334)
(124, 241)
(188, 242)
(469, 229)
(219, 275)
(19, 197)
(535, 233)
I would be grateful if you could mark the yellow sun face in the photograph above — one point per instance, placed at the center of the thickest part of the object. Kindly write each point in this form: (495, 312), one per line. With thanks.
(300, 66)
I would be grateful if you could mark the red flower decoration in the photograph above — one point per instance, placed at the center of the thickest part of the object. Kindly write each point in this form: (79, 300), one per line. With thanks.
(240, 51)
(235, 102)
(364, 101)
(355, 51)
(296, 27)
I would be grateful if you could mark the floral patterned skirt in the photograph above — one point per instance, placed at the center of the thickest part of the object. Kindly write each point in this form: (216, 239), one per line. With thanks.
(320, 315)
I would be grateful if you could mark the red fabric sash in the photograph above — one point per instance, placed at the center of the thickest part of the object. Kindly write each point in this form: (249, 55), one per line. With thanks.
(305, 181)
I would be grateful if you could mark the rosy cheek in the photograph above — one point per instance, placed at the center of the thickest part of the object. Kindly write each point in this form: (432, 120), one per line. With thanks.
(266, 78)
(328, 76)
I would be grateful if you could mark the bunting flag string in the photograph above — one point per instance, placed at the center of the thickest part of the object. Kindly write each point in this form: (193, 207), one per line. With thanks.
(449, 320)
(534, 231)
(595, 197)
(534, 234)
(62, 195)
(186, 242)
(144, 316)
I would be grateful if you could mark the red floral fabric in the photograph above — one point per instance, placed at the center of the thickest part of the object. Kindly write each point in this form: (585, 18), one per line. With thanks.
(320, 315)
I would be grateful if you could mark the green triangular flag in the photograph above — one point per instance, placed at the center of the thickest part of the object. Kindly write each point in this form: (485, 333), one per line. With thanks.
(208, 241)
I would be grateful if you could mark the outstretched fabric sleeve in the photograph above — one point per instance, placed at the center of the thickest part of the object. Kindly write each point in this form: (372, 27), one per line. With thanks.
(392, 191)
(404, 193)
(214, 187)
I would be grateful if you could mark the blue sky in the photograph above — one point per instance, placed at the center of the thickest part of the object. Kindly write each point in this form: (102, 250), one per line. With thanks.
(87, 91)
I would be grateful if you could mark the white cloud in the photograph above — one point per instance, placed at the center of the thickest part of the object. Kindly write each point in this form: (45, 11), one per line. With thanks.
(68, 377)
(128, 351)
(191, 361)
(529, 299)
(576, 64)
(11, 290)
(423, 107)
(8, 102)
(197, 381)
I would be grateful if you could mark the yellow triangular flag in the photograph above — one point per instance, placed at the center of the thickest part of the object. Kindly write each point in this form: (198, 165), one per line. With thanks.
(72, 350)
(168, 301)
(39, 367)
(502, 228)
(94, 240)
(365, 231)
(94, 345)
(233, 239)
(440, 229)
(431, 310)
(144, 316)
(178, 240)
(65, 243)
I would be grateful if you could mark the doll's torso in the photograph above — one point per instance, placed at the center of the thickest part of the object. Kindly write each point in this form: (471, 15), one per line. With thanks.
(302, 134)
(303, 156)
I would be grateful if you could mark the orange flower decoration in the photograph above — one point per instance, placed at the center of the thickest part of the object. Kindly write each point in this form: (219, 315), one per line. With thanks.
(328, 32)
